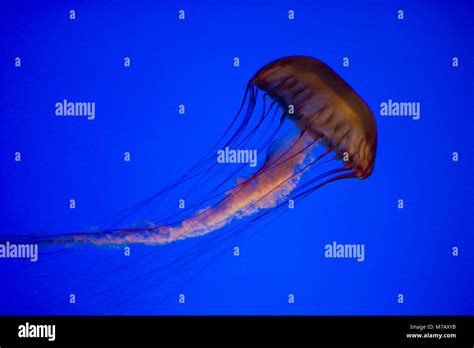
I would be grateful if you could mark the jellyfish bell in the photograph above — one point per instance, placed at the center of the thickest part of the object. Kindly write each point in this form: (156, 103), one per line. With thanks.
(325, 106)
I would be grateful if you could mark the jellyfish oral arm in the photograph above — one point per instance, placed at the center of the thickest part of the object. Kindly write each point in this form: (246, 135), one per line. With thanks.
(276, 179)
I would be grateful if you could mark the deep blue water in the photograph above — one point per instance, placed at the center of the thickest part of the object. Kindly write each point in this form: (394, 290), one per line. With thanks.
(408, 251)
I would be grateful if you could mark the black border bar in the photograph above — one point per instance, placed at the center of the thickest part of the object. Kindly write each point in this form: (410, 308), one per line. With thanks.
(142, 330)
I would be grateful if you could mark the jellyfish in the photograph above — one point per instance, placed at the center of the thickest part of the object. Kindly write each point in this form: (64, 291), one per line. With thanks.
(329, 134)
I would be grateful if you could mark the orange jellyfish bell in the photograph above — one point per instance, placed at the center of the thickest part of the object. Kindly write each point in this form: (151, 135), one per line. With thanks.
(324, 105)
